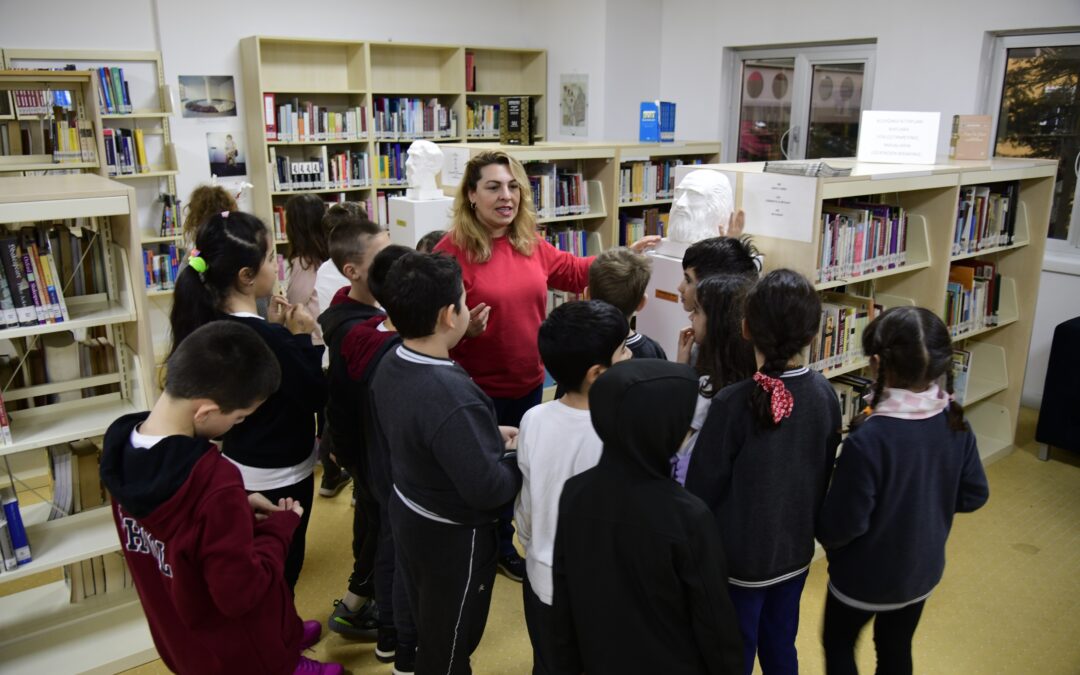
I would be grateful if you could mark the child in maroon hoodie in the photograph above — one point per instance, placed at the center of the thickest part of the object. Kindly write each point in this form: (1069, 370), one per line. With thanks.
(207, 558)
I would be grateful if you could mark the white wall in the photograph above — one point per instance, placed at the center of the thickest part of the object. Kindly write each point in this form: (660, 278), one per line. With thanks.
(632, 62)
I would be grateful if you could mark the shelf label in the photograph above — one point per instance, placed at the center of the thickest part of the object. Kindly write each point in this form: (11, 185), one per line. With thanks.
(898, 137)
(779, 206)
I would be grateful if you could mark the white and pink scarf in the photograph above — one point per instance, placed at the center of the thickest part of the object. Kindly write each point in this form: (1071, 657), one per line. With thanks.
(909, 405)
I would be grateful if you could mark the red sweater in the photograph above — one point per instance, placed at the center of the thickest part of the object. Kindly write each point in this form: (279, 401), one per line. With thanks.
(504, 360)
(210, 578)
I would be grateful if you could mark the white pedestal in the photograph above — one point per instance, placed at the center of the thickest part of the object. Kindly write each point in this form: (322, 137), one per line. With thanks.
(663, 315)
(411, 219)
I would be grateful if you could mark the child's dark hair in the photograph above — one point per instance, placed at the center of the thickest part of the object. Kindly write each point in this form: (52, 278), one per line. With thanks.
(722, 255)
(226, 244)
(198, 366)
(428, 241)
(382, 263)
(620, 276)
(914, 349)
(304, 230)
(783, 313)
(579, 335)
(349, 239)
(341, 212)
(725, 356)
(416, 288)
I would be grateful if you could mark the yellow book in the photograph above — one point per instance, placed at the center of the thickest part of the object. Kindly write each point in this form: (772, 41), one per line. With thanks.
(143, 166)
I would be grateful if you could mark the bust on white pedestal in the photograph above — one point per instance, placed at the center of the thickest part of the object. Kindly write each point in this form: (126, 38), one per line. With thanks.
(424, 208)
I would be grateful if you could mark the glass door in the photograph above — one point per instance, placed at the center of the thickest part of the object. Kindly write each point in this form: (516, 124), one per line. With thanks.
(836, 95)
(765, 109)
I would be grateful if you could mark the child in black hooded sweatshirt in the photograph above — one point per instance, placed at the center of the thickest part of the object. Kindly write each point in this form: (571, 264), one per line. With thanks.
(638, 561)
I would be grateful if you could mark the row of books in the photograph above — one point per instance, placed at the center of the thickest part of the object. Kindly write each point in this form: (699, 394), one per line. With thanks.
(556, 298)
(844, 317)
(632, 228)
(299, 121)
(161, 269)
(38, 102)
(648, 181)
(571, 241)
(805, 168)
(961, 367)
(324, 171)
(657, 122)
(125, 152)
(413, 118)
(278, 224)
(557, 193)
(31, 288)
(985, 217)
(390, 164)
(973, 296)
(851, 389)
(114, 96)
(171, 225)
(481, 120)
(61, 135)
(78, 488)
(861, 238)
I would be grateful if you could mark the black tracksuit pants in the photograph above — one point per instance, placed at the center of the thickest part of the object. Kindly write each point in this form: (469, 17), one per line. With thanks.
(448, 572)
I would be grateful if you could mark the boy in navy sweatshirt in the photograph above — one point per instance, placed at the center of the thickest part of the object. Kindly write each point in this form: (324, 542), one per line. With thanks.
(207, 558)
(451, 473)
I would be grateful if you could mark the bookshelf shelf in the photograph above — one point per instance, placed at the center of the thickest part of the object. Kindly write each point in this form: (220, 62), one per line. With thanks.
(46, 166)
(160, 240)
(931, 197)
(155, 173)
(159, 292)
(320, 191)
(90, 419)
(852, 367)
(43, 633)
(645, 202)
(346, 141)
(500, 93)
(571, 218)
(97, 314)
(66, 540)
(137, 115)
(299, 91)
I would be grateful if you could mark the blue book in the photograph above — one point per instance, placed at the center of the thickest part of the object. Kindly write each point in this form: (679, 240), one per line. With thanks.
(667, 121)
(649, 130)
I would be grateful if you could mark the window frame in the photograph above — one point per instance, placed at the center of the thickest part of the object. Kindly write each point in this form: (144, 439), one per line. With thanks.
(1062, 255)
(806, 56)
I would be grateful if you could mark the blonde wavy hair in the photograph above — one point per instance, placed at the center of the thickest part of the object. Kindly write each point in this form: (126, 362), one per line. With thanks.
(466, 230)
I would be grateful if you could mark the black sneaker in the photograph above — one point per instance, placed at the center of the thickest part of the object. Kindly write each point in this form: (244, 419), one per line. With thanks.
(363, 624)
(513, 567)
(330, 487)
(386, 646)
(405, 661)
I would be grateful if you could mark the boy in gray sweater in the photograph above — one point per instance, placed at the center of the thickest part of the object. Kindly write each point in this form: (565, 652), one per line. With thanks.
(449, 462)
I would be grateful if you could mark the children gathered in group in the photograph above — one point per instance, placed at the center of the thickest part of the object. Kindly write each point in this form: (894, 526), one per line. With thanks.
(626, 570)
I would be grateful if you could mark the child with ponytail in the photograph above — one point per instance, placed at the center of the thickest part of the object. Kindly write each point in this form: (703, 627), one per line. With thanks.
(231, 266)
(762, 462)
(723, 357)
(907, 468)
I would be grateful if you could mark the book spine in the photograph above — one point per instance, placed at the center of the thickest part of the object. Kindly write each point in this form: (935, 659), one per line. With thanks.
(7, 549)
(268, 114)
(15, 527)
(5, 424)
(31, 281)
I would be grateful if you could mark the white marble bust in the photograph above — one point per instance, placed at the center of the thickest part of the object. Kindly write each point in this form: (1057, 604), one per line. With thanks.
(424, 162)
(703, 207)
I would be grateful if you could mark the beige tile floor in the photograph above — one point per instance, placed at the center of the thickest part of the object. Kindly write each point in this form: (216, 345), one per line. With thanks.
(1009, 602)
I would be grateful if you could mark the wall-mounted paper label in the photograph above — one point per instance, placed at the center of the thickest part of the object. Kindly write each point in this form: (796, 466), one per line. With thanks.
(454, 161)
(898, 137)
(779, 206)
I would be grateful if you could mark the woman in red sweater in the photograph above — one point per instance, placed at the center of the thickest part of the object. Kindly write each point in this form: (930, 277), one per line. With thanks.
(507, 270)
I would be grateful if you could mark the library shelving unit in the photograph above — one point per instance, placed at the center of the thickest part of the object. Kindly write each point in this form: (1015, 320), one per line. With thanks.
(507, 72)
(340, 74)
(40, 630)
(152, 110)
(598, 163)
(930, 194)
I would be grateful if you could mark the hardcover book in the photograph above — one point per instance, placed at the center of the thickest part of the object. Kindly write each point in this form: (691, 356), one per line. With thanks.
(970, 137)
(515, 120)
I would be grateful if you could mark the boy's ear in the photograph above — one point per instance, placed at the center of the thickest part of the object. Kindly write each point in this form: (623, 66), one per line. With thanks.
(585, 294)
(446, 317)
(204, 409)
(594, 371)
(351, 271)
(644, 301)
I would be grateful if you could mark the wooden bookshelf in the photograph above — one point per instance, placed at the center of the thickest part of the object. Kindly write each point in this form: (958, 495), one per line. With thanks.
(39, 628)
(152, 103)
(930, 195)
(339, 73)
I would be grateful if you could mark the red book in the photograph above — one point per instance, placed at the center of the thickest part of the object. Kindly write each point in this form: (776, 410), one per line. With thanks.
(268, 115)
(470, 71)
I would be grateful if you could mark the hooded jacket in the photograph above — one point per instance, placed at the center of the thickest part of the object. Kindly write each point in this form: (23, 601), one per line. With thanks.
(343, 398)
(210, 578)
(637, 558)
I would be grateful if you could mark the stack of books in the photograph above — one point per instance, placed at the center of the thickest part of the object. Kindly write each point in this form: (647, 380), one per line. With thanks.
(985, 217)
(805, 168)
(973, 296)
(861, 238)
